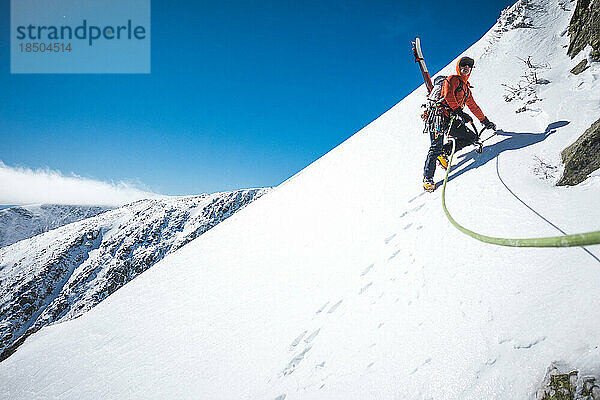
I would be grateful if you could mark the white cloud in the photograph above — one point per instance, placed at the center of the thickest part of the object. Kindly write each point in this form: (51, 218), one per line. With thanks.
(44, 186)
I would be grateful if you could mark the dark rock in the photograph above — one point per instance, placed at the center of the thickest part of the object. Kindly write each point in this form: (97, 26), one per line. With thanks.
(584, 28)
(582, 157)
(579, 68)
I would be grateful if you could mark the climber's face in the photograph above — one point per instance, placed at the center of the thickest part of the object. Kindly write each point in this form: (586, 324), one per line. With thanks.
(465, 70)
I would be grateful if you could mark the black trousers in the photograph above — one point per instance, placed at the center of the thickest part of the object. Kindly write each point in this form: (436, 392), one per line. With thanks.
(463, 135)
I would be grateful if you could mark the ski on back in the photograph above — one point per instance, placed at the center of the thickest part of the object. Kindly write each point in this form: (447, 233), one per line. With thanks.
(418, 53)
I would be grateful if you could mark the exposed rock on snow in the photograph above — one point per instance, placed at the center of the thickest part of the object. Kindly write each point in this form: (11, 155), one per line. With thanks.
(63, 273)
(584, 28)
(579, 68)
(563, 383)
(582, 157)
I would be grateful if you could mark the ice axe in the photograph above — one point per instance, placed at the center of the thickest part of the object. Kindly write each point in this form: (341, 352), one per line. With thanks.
(478, 144)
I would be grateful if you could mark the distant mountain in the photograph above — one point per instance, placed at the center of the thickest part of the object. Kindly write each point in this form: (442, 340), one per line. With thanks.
(62, 273)
(22, 222)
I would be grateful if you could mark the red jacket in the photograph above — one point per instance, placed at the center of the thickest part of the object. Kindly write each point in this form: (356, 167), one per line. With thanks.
(457, 93)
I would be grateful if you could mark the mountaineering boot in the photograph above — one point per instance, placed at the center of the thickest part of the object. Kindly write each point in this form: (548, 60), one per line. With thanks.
(443, 160)
(428, 184)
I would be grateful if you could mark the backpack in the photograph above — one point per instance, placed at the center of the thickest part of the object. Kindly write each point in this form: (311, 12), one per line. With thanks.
(435, 100)
(436, 92)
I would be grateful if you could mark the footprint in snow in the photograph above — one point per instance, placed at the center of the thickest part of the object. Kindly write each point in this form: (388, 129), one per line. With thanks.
(528, 344)
(334, 307)
(365, 287)
(293, 364)
(370, 365)
(408, 226)
(416, 197)
(312, 336)
(297, 340)
(484, 367)
(366, 271)
(320, 310)
(403, 214)
(418, 208)
(427, 361)
(395, 254)
(389, 239)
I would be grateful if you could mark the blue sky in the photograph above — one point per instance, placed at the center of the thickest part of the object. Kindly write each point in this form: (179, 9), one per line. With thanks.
(241, 94)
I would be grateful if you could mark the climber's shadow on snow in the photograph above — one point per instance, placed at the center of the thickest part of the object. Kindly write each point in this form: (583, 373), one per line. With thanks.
(512, 141)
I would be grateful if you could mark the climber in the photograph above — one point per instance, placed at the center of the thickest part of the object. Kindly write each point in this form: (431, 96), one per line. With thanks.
(456, 92)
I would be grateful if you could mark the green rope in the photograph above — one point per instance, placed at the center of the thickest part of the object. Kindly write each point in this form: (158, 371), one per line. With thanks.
(579, 239)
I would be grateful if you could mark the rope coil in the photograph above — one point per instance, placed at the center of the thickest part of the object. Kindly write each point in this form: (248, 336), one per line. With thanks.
(579, 239)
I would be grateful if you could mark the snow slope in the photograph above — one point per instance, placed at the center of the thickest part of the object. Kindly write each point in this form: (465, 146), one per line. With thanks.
(347, 281)
(65, 272)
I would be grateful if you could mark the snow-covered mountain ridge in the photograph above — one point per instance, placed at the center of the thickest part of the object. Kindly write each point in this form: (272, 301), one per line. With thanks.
(348, 282)
(63, 273)
(22, 222)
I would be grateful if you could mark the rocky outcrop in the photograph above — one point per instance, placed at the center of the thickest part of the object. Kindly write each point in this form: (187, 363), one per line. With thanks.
(579, 68)
(564, 383)
(584, 28)
(582, 157)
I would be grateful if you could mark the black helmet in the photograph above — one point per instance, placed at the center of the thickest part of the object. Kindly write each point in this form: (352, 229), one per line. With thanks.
(466, 61)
